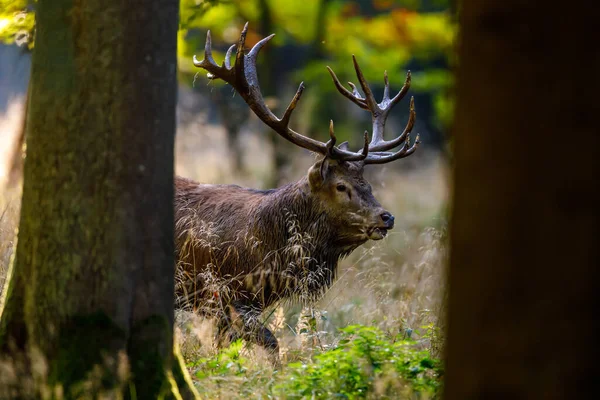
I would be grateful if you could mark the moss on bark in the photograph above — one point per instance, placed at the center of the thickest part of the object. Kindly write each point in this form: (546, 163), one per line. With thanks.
(87, 343)
(94, 268)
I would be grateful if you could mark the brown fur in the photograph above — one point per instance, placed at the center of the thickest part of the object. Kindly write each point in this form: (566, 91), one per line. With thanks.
(241, 250)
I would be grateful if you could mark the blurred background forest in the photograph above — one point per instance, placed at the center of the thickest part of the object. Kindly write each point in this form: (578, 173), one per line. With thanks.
(395, 286)
(396, 36)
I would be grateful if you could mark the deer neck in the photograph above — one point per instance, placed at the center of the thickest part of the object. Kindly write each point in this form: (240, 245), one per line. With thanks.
(290, 216)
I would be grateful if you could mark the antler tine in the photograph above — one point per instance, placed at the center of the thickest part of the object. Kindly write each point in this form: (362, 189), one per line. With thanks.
(239, 54)
(369, 98)
(356, 93)
(337, 153)
(365, 151)
(290, 108)
(208, 63)
(379, 112)
(243, 77)
(384, 145)
(402, 91)
(253, 54)
(386, 157)
(207, 53)
(386, 88)
(208, 49)
(332, 139)
(227, 61)
(354, 97)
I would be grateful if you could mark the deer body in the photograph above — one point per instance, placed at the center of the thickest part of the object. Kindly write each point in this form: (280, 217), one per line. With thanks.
(241, 250)
(246, 235)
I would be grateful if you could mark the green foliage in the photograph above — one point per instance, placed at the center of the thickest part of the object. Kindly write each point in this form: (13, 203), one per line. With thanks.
(227, 362)
(366, 362)
(229, 370)
(382, 34)
(439, 82)
(17, 22)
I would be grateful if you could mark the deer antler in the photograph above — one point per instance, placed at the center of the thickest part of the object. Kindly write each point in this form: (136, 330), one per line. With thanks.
(378, 148)
(242, 76)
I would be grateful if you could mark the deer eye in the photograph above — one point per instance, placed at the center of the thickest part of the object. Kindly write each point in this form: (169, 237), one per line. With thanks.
(341, 188)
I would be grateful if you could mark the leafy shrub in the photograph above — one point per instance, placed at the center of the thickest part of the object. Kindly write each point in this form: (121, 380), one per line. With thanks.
(366, 363)
(227, 362)
(230, 375)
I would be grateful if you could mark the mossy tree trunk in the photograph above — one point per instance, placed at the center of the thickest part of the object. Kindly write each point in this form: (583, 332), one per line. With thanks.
(523, 307)
(92, 285)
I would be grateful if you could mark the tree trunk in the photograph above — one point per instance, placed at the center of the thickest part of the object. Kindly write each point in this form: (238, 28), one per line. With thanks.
(91, 289)
(525, 226)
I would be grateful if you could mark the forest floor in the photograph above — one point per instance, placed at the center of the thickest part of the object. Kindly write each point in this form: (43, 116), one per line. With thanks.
(375, 333)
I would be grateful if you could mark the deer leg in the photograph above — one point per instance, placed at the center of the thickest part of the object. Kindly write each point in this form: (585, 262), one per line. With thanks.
(227, 331)
(253, 331)
(268, 341)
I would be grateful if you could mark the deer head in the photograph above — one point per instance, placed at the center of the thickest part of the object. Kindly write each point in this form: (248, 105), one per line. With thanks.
(336, 180)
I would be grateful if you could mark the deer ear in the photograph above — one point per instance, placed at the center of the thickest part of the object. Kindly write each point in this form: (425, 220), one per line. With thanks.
(317, 173)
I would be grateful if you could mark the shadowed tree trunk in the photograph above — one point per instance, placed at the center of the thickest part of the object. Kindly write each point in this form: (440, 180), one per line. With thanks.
(91, 289)
(524, 262)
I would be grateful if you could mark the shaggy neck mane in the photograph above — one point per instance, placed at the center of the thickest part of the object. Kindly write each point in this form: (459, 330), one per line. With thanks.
(291, 220)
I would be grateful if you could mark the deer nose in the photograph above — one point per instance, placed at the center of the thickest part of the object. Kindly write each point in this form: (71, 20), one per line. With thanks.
(388, 219)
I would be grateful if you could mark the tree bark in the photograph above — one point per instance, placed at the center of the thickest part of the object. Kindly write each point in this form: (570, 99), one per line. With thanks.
(92, 286)
(525, 226)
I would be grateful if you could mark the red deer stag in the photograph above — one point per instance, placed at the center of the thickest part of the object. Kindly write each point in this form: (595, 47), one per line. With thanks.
(241, 250)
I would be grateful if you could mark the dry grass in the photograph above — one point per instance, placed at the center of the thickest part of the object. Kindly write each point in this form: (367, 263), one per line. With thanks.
(395, 284)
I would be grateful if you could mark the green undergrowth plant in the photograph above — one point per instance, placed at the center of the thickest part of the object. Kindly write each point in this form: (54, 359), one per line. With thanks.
(227, 362)
(230, 374)
(364, 363)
